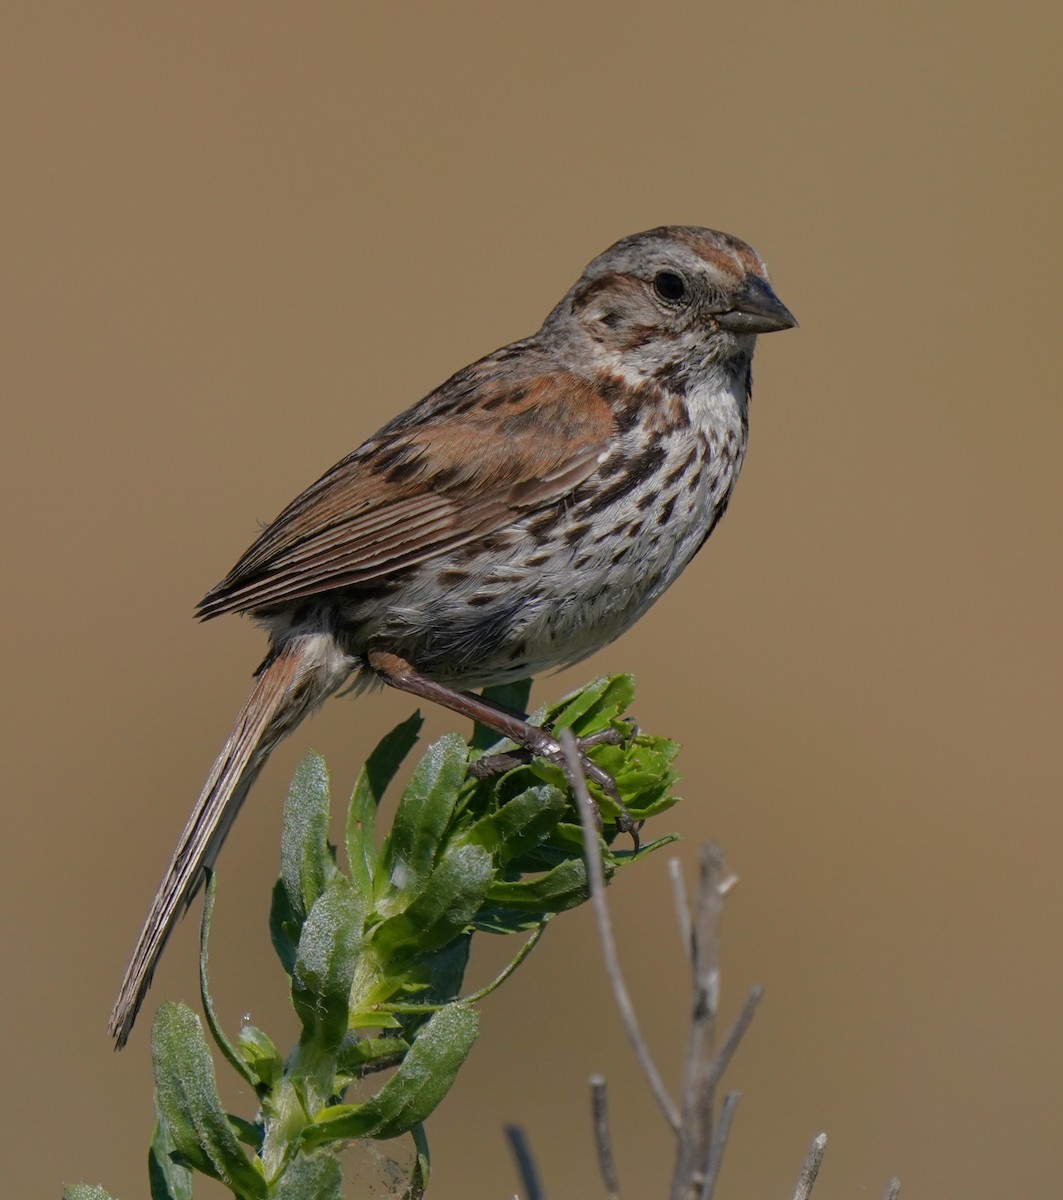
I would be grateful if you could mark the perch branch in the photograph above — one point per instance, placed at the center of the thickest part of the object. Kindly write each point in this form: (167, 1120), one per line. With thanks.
(596, 885)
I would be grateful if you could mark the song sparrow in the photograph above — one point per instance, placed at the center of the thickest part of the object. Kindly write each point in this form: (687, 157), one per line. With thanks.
(520, 517)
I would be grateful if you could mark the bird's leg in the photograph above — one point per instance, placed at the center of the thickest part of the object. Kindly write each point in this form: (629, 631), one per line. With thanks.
(398, 673)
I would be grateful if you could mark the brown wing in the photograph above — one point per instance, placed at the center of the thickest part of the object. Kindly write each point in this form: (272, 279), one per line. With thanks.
(440, 477)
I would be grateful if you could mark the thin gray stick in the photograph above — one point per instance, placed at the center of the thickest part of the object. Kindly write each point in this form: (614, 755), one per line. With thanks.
(682, 905)
(603, 1141)
(596, 884)
(893, 1189)
(811, 1168)
(699, 1080)
(735, 1034)
(522, 1155)
(719, 1144)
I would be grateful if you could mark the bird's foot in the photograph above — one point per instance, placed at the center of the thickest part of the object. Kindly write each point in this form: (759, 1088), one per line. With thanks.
(546, 746)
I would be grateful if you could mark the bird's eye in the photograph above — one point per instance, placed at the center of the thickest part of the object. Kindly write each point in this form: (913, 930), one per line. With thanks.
(670, 286)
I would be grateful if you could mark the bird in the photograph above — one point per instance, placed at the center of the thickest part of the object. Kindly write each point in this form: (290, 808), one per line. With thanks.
(519, 517)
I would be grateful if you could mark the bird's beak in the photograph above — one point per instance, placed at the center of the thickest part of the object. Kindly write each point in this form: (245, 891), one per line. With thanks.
(756, 309)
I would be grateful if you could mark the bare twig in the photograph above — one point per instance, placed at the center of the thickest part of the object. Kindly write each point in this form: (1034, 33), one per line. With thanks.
(701, 1069)
(682, 905)
(701, 1140)
(603, 1141)
(695, 1133)
(735, 1035)
(719, 1143)
(811, 1168)
(596, 884)
(529, 1177)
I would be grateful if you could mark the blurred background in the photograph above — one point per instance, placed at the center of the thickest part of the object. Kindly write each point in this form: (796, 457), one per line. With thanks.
(238, 237)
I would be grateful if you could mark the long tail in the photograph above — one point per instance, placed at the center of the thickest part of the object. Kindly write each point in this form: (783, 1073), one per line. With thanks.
(303, 673)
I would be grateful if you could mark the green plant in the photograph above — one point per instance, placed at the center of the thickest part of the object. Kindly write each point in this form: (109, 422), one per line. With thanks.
(376, 955)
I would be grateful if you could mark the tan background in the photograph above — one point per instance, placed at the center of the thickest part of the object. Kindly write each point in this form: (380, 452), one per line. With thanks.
(237, 237)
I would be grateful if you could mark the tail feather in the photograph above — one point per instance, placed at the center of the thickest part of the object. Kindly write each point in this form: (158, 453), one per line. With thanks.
(304, 672)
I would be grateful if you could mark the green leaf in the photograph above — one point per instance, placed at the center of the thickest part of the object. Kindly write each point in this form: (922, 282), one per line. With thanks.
(447, 903)
(261, 1055)
(187, 1099)
(615, 700)
(501, 854)
(306, 859)
(643, 772)
(374, 1018)
(86, 1191)
(568, 713)
(167, 1179)
(565, 886)
(311, 1177)
(594, 707)
(521, 823)
(247, 1131)
(435, 978)
(329, 946)
(415, 1089)
(501, 920)
(423, 815)
(307, 864)
(513, 696)
(284, 927)
(373, 782)
(357, 1058)
(568, 840)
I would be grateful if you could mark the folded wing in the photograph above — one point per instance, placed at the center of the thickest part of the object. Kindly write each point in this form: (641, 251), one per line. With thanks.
(445, 475)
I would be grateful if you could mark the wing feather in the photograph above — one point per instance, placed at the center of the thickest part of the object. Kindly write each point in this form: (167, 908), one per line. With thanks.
(439, 477)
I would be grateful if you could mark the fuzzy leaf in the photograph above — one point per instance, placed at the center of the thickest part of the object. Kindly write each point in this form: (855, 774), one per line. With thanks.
(311, 1177)
(306, 859)
(261, 1055)
(447, 903)
(359, 1057)
(521, 823)
(329, 946)
(423, 815)
(565, 886)
(410, 1095)
(86, 1191)
(167, 1179)
(187, 1099)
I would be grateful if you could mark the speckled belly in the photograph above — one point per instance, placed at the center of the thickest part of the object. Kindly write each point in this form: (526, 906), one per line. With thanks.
(563, 582)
